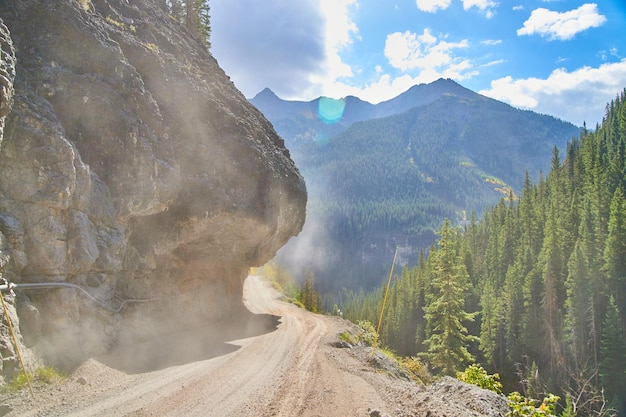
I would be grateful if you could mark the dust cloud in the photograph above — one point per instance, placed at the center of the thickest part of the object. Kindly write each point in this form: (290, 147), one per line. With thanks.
(188, 346)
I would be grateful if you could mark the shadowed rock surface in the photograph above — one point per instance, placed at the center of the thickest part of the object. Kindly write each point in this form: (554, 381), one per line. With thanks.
(132, 167)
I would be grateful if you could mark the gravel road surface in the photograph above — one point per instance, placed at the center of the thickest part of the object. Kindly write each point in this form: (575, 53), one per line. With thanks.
(290, 370)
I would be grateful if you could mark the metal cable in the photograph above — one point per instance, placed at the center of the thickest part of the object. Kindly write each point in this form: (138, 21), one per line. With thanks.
(25, 286)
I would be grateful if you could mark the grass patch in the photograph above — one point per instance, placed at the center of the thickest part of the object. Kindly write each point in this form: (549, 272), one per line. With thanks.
(493, 180)
(348, 338)
(44, 375)
(85, 4)
(417, 370)
(115, 22)
(152, 47)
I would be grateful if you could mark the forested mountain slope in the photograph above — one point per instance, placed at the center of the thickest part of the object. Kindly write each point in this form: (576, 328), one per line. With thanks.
(543, 277)
(390, 181)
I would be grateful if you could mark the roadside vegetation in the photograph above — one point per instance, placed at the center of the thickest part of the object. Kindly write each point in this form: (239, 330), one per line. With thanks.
(43, 375)
(305, 296)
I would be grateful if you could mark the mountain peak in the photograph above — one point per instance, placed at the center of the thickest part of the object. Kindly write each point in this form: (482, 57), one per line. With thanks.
(266, 94)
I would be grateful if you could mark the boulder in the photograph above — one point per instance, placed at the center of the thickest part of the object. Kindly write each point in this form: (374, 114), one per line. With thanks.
(133, 168)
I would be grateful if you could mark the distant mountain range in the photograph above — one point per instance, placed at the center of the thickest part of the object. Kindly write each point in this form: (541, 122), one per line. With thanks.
(385, 175)
(298, 121)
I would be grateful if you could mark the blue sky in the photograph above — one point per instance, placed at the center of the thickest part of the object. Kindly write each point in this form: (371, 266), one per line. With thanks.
(566, 58)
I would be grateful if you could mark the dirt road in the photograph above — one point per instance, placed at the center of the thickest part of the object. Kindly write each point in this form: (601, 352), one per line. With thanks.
(290, 371)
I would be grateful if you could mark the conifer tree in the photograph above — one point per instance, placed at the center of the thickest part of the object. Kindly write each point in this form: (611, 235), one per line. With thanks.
(448, 337)
(194, 15)
(309, 295)
(615, 249)
(613, 364)
(578, 304)
(552, 292)
(197, 19)
(492, 334)
(513, 301)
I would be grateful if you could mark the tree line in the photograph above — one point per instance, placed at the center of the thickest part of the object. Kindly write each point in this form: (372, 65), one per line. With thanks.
(194, 15)
(536, 290)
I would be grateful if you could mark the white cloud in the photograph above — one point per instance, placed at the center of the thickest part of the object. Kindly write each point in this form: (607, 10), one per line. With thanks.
(386, 87)
(408, 51)
(339, 25)
(492, 42)
(294, 48)
(340, 30)
(432, 6)
(576, 96)
(426, 56)
(280, 45)
(492, 63)
(562, 26)
(485, 6)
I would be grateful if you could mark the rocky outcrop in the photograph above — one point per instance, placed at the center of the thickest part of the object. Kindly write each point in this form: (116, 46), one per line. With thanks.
(132, 167)
(8, 354)
(7, 74)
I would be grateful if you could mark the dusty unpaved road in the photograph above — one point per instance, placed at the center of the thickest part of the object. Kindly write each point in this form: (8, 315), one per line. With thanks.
(292, 370)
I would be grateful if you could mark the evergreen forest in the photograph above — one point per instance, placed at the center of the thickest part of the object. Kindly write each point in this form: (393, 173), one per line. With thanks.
(390, 182)
(535, 290)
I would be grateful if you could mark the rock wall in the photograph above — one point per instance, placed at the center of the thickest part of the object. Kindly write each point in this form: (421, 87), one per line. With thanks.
(8, 355)
(132, 167)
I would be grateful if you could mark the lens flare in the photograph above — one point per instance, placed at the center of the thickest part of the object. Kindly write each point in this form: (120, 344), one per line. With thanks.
(330, 110)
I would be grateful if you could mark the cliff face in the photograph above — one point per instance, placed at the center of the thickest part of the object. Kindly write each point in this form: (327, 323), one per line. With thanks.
(132, 167)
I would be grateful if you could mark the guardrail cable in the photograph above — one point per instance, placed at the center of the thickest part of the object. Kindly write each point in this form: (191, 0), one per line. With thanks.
(9, 286)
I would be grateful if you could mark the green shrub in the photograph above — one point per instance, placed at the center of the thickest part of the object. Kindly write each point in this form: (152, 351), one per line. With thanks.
(48, 375)
(476, 375)
(348, 338)
(367, 333)
(527, 407)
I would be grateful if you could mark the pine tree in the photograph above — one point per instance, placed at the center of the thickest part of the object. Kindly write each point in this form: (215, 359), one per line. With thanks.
(552, 292)
(309, 295)
(615, 249)
(514, 309)
(448, 337)
(492, 334)
(197, 19)
(613, 364)
(578, 305)
(194, 15)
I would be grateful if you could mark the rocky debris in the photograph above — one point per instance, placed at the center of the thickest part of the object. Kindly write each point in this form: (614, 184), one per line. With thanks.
(133, 168)
(375, 413)
(446, 397)
(5, 409)
(451, 397)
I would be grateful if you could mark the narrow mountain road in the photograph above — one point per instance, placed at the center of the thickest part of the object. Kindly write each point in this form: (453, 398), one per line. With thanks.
(290, 371)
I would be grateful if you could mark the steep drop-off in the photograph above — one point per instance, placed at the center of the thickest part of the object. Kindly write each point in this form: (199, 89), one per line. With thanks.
(132, 167)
